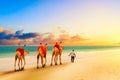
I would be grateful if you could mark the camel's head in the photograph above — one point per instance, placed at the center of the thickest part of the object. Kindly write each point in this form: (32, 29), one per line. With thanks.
(62, 47)
(26, 52)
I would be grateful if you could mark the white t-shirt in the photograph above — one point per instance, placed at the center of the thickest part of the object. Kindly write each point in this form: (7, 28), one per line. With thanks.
(72, 54)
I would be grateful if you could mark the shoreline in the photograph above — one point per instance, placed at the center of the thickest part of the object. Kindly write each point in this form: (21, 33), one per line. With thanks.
(8, 62)
(100, 65)
(80, 55)
(103, 65)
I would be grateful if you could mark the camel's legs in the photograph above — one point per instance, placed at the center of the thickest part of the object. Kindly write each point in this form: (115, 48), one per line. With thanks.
(24, 62)
(15, 62)
(19, 63)
(37, 61)
(55, 59)
(45, 60)
(42, 61)
(60, 59)
(52, 59)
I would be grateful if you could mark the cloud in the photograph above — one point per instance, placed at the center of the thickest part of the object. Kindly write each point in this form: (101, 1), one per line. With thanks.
(7, 34)
(64, 37)
(13, 38)
(77, 38)
(71, 40)
(19, 32)
(4, 35)
(8, 37)
(6, 31)
(44, 38)
(9, 42)
(59, 29)
(1, 29)
(50, 38)
(26, 35)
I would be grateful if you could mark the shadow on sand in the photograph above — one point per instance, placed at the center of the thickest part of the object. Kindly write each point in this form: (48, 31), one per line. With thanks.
(32, 69)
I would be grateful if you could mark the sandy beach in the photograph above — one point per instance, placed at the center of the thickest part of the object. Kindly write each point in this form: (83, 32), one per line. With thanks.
(97, 65)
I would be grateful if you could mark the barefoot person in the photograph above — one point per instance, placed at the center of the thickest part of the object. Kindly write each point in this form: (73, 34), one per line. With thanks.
(73, 55)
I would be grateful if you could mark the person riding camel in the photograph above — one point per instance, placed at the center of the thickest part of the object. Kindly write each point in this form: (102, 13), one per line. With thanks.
(57, 46)
(61, 46)
(21, 50)
(43, 48)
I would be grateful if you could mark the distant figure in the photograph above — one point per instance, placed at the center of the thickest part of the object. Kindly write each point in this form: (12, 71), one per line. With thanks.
(73, 55)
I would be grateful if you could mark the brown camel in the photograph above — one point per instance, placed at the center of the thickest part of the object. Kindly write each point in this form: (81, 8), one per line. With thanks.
(41, 53)
(55, 53)
(20, 56)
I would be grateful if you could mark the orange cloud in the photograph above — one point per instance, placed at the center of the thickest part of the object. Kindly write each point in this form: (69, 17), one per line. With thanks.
(75, 40)
(8, 37)
(44, 38)
(52, 37)
(49, 38)
(59, 29)
(6, 30)
(1, 29)
(9, 42)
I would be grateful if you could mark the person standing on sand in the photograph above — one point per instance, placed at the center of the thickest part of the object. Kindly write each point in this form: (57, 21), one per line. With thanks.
(73, 55)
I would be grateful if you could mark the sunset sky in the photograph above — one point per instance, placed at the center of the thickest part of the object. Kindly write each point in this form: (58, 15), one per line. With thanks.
(75, 22)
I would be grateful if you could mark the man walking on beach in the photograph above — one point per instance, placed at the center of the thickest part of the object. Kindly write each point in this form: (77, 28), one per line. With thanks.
(73, 55)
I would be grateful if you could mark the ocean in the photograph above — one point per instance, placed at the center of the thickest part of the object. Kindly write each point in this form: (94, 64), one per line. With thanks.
(9, 51)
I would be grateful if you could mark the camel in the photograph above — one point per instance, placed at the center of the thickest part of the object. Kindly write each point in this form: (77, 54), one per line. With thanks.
(20, 56)
(42, 54)
(55, 53)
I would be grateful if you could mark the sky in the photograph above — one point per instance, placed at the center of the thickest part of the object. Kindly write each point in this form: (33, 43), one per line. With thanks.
(74, 22)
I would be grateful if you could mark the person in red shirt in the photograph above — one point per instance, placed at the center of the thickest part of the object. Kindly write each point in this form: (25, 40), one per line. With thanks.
(21, 50)
(57, 46)
(40, 46)
(43, 48)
